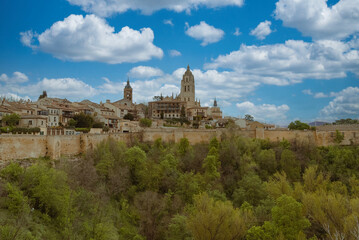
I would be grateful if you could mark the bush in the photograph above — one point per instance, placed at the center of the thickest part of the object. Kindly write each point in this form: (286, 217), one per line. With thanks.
(145, 122)
(84, 130)
(11, 120)
(5, 129)
(98, 125)
(129, 116)
(84, 120)
(298, 125)
(19, 130)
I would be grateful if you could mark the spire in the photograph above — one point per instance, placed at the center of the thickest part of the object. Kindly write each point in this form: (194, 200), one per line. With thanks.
(215, 102)
(128, 83)
(188, 67)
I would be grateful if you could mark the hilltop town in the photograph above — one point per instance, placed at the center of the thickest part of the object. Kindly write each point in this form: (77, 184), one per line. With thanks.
(55, 116)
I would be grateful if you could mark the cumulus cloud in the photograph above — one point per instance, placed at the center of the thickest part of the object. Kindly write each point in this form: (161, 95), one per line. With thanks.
(175, 53)
(318, 20)
(107, 8)
(70, 88)
(291, 62)
(17, 77)
(262, 30)
(344, 105)
(145, 72)
(206, 33)
(264, 112)
(90, 38)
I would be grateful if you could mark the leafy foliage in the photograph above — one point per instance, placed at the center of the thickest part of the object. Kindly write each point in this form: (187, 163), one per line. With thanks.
(298, 125)
(11, 119)
(236, 188)
(83, 120)
(145, 122)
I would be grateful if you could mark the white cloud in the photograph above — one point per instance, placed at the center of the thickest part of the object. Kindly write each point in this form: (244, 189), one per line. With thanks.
(107, 8)
(145, 72)
(237, 32)
(17, 77)
(70, 88)
(316, 19)
(320, 95)
(27, 38)
(13, 96)
(206, 33)
(168, 22)
(291, 62)
(344, 105)
(264, 112)
(175, 53)
(262, 30)
(307, 92)
(90, 38)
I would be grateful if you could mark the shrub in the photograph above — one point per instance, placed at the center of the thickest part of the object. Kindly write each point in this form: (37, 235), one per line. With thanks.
(129, 116)
(98, 125)
(145, 122)
(84, 130)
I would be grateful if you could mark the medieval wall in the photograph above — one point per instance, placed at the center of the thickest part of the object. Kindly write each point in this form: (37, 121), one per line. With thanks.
(30, 146)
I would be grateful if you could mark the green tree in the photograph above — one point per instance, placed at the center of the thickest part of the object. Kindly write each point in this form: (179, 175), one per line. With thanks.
(339, 137)
(215, 220)
(288, 222)
(290, 164)
(11, 120)
(129, 116)
(72, 123)
(211, 164)
(177, 229)
(267, 162)
(145, 122)
(250, 189)
(83, 120)
(135, 157)
(298, 125)
(346, 121)
(249, 117)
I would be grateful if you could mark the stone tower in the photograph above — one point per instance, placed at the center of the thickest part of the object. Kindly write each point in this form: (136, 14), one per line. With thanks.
(187, 88)
(127, 91)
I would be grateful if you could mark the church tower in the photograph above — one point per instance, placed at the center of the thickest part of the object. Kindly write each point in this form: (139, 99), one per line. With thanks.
(127, 91)
(187, 88)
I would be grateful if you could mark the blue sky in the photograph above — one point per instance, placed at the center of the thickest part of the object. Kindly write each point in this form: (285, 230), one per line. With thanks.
(276, 60)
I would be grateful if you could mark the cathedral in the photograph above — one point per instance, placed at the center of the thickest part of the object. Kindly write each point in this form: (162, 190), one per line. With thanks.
(184, 105)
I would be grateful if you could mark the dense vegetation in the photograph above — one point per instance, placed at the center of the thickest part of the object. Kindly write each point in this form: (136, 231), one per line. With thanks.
(235, 189)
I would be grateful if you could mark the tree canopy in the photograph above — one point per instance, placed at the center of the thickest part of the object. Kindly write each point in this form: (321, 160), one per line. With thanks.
(235, 188)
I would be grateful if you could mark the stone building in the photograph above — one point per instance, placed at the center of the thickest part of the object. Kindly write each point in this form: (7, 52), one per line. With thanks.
(183, 105)
(126, 106)
(215, 111)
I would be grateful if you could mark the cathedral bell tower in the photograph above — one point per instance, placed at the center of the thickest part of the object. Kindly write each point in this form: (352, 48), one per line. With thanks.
(127, 91)
(187, 88)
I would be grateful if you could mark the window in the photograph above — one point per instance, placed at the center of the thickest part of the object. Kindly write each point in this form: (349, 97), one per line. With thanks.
(30, 122)
(42, 122)
(54, 119)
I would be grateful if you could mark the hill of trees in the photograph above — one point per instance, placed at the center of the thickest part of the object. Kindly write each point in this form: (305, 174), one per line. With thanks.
(238, 188)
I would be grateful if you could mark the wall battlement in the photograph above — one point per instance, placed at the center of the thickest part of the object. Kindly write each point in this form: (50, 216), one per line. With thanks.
(31, 146)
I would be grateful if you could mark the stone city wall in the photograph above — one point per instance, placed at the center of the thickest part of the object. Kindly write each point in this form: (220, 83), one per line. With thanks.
(31, 146)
